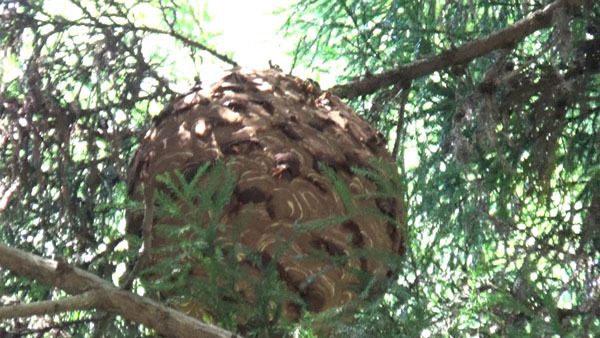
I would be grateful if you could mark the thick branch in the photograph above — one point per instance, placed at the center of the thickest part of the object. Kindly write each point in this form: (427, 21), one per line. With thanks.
(504, 38)
(85, 301)
(164, 320)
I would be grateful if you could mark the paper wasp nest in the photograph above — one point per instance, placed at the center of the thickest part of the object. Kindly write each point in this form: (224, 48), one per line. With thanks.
(274, 130)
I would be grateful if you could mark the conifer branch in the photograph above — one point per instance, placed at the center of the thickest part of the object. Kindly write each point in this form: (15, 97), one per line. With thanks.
(107, 297)
(504, 38)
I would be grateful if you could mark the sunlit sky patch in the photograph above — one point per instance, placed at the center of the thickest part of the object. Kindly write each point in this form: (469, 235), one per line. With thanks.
(248, 31)
(251, 31)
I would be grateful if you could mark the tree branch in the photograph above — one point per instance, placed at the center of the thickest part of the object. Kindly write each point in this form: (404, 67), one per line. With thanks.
(46, 328)
(84, 301)
(164, 320)
(188, 41)
(504, 38)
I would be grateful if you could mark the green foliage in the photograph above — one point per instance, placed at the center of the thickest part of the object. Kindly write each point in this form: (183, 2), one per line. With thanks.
(198, 261)
(79, 77)
(500, 179)
(498, 160)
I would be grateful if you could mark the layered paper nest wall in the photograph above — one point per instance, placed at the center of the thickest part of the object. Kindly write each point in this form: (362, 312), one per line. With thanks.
(274, 129)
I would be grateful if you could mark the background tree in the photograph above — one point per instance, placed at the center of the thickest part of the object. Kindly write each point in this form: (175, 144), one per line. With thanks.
(493, 122)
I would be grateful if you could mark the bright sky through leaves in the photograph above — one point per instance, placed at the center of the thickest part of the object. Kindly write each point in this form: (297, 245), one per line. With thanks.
(250, 30)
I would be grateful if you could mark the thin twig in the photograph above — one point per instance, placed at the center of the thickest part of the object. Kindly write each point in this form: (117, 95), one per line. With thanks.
(38, 332)
(400, 123)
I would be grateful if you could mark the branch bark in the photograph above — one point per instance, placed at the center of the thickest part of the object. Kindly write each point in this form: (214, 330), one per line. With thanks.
(85, 301)
(107, 297)
(504, 38)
